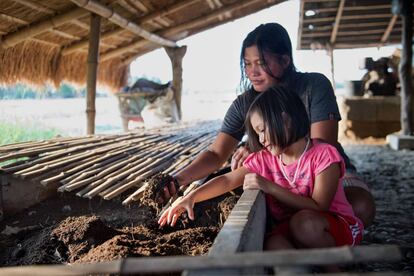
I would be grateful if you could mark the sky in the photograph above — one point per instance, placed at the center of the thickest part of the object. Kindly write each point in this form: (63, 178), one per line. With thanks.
(212, 61)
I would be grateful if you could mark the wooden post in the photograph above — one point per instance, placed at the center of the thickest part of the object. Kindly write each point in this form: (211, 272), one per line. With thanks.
(176, 55)
(404, 7)
(92, 69)
(330, 50)
(1, 198)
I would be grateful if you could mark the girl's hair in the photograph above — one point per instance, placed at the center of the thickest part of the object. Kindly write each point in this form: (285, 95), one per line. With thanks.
(284, 117)
(271, 38)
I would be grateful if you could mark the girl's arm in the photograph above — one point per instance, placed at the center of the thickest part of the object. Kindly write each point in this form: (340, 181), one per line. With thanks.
(326, 184)
(215, 187)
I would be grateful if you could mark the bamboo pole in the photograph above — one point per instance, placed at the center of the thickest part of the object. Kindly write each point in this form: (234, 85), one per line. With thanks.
(116, 18)
(169, 264)
(93, 56)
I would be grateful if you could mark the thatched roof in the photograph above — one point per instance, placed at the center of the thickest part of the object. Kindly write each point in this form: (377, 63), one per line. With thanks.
(47, 40)
(347, 24)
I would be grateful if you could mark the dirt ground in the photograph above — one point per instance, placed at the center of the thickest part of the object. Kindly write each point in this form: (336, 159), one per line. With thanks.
(68, 229)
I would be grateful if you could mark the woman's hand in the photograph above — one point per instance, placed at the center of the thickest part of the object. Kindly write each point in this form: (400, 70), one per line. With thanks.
(171, 215)
(253, 181)
(168, 191)
(238, 157)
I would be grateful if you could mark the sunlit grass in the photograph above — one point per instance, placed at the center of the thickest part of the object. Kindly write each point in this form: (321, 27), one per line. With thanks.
(11, 133)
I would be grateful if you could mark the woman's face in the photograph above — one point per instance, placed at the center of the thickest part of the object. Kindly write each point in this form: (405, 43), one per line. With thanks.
(263, 133)
(256, 72)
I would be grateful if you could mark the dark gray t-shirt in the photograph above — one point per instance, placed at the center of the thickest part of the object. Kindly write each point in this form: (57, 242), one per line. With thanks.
(316, 93)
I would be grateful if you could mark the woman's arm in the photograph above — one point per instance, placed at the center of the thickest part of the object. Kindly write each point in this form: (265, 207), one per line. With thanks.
(326, 184)
(325, 130)
(208, 161)
(215, 187)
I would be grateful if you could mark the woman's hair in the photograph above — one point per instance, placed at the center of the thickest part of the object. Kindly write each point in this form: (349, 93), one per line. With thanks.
(271, 38)
(284, 117)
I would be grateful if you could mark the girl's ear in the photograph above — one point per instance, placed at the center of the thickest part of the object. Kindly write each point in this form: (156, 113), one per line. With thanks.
(287, 121)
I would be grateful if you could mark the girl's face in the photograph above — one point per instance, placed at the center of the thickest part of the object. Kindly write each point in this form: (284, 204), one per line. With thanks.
(256, 72)
(260, 128)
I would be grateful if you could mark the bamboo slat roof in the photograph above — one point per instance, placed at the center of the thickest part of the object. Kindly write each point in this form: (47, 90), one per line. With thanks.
(47, 40)
(107, 165)
(347, 24)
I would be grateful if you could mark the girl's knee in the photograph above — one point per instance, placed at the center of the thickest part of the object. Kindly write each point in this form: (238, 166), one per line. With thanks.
(277, 242)
(307, 225)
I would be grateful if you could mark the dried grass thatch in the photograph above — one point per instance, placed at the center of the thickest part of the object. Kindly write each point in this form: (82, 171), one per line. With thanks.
(39, 64)
(34, 35)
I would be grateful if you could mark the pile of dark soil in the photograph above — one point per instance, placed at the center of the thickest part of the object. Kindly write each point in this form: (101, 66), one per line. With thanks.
(68, 229)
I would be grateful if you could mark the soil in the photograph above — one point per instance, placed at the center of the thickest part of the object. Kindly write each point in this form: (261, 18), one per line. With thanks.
(69, 229)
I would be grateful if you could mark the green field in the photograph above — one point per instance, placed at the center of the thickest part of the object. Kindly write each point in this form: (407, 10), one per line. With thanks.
(18, 132)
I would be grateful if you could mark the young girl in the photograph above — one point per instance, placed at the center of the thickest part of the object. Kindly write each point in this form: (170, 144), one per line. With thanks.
(266, 60)
(299, 176)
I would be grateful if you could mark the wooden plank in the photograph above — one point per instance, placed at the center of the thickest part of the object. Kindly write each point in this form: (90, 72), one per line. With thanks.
(21, 194)
(323, 256)
(243, 231)
(116, 18)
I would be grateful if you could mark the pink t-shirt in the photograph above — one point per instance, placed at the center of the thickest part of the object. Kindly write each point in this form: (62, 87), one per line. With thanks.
(319, 157)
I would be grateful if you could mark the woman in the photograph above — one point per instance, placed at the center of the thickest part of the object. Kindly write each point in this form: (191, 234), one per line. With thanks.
(266, 60)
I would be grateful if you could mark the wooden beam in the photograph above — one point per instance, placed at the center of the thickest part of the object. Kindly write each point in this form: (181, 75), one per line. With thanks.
(160, 12)
(167, 10)
(347, 17)
(93, 56)
(36, 6)
(12, 39)
(79, 23)
(82, 44)
(180, 28)
(139, 6)
(301, 23)
(13, 19)
(124, 4)
(45, 42)
(65, 34)
(296, 257)
(355, 8)
(337, 22)
(116, 18)
(389, 29)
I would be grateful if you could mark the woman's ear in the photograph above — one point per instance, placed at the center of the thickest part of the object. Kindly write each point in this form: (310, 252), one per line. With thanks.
(286, 61)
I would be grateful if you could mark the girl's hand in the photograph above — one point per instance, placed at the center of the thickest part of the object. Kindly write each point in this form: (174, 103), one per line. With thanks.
(253, 181)
(171, 215)
(238, 157)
